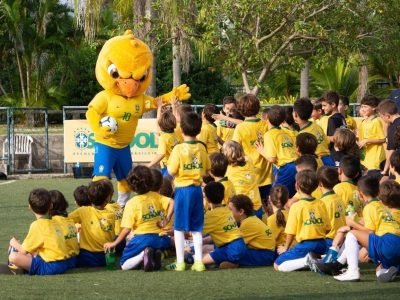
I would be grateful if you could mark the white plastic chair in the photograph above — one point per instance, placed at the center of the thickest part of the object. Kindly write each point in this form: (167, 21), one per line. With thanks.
(22, 146)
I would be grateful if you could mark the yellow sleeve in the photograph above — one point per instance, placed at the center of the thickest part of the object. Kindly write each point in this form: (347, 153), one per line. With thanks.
(207, 224)
(368, 216)
(173, 161)
(34, 240)
(96, 108)
(377, 130)
(269, 146)
(325, 215)
(203, 135)
(128, 218)
(208, 163)
(162, 145)
(75, 215)
(236, 135)
(291, 223)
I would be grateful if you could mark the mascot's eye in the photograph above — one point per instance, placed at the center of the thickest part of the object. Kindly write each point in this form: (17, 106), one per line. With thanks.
(144, 76)
(113, 71)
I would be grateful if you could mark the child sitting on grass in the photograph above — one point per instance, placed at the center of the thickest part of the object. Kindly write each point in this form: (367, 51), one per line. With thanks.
(219, 165)
(278, 198)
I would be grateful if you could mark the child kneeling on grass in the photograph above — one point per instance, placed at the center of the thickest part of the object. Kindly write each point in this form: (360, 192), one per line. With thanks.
(43, 252)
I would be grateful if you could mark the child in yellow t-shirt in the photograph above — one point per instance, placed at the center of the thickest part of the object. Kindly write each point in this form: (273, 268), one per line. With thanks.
(81, 196)
(226, 128)
(308, 222)
(278, 198)
(43, 251)
(97, 225)
(257, 235)
(208, 134)
(219, 165)
(342, 108)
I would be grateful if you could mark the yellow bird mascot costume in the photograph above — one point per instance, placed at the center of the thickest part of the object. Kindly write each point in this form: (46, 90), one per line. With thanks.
(123, 69)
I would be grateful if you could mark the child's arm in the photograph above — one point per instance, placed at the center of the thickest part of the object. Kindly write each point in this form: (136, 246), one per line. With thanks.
(159, 108)
(220, 116)
(365, 142)
(123, 233)
(168, 218)
(354, 225)
(288, 243)
(17, 245)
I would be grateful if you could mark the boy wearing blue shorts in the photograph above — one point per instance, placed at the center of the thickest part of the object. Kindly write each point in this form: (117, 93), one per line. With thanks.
(308, 222)
(44, 251)
(188, 163)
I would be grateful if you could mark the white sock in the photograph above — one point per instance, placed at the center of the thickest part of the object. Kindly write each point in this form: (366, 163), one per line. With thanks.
(381, 271)
(352, 249)
(133, 262)
(293, 265)
(343, 256)
(198, 245)
(179, 237)
(123, 198)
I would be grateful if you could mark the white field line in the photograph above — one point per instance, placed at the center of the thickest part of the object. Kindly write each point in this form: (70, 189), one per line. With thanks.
(7, 182)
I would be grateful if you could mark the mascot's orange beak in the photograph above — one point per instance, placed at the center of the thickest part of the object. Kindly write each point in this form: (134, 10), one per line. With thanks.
(128, 87)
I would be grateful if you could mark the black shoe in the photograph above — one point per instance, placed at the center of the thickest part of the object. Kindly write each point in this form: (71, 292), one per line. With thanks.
(332, 268)
(148, 259)
(157, 260)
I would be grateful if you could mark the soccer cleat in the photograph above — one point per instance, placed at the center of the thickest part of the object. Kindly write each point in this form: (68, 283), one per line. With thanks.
(148, 260)
(188, 258)
(176, 267)
(312, 261)
(15, 270)
(228, 265)
(157, 260)
(198, 266)
(387, 275)
(332, 268)
(349, 275)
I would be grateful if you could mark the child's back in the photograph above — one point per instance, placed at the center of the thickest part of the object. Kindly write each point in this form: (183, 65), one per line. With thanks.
(278, 231)
(70, 234)
(379, 219)
(347, 191)
(118, 211)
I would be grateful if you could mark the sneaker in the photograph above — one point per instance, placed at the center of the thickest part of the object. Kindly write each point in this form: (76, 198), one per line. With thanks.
(176, 267)
(228, 265)
(332, 268)
(312, 261)
(148, 260)
(349, 275)
(188, 258)
(157, 259)
(387, 275)
(198, 266)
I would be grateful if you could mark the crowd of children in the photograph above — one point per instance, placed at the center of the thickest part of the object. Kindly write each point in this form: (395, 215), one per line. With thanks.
(294, 187)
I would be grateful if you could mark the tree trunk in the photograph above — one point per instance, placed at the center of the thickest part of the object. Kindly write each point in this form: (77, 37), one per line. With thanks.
(176, 59)
(362, 79)
(305, 79)
(21, 77)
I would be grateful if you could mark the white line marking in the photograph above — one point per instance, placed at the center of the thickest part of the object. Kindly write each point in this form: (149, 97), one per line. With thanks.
(7, 182)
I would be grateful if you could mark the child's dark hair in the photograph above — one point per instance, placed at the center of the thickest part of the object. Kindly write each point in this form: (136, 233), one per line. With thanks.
(303, 108)
(279, 196)
(208, 178)
(265, 111)
(389, 194)
(167, 189)
(307, 181)
(328, 177)
(369, 186)
(40, 201)
(167, 121)
(228, 100)
(214, 192)
(243, 202)
(58, 204)
(276, 115)
(100, 191)
(331, 97)
(395, 161)
(157, 180)
(209, 110)
(350, 166)
(289, 117)
(191, 124)
(306, 143)
(388, 107)
(249, 105)
(370, 100)
(219, 164)
(317, 105)
(308, 162)
(183, 108)
(345, 100)
(140, 180)
(236, 115)
(81, 196)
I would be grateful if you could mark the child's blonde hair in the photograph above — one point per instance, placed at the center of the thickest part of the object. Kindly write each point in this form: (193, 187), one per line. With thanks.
(234, 153)
(345, 140)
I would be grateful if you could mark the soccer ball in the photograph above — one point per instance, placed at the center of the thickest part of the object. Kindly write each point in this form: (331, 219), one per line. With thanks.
(110, 122)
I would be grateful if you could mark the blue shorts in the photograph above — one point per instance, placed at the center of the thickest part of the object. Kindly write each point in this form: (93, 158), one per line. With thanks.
(328, 243)
(264, 191)
(91, 259)
(188, 209)
(231, 252)
(301, 249)
(286, 175)
(141, 241)
(257, 258)
(40, 267)
(108, 159)
(259, 212)
(384, 249)
(327, 160)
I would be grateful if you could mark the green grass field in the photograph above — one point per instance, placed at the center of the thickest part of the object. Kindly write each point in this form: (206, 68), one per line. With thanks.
(15, 218)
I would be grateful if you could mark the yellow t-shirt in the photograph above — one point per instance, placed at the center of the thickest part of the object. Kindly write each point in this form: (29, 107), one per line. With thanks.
(221, 226)
(178, 132)
(278, 232)
(256, 234)
(166, 142)
(308, 220)
(70, 234)
(317, 194)
(245, 181)
(395, 214)
(45, 237)
(322, 139)
(379, 219)
(118, 211)
(97, 227)
(127, 113)
(208, 135)
(372, 155)
(225, 130)
(188, 162)
(323, 122)
(278, 144)
(291, 132)
(347, 191)
(142, 212)
(246, 134)
(336, 212)
(229, 191)
(351, 123)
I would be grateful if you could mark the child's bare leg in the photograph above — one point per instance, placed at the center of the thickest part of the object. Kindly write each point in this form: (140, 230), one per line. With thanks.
(363, 255)
(208, 260)
(208, 248)
(23, 261)
(338, 240)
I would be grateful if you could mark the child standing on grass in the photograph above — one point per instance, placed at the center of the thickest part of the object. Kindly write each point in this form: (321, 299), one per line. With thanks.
(142, 216)
(226, 128)
(97, 225)
(208, 134)
(343, 106)
(219, 165)
(277, 221)
(188, 163)
(44, 251)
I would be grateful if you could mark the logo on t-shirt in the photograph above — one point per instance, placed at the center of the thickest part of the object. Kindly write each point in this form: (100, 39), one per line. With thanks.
(313, 220)
(195, 165)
